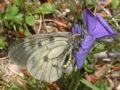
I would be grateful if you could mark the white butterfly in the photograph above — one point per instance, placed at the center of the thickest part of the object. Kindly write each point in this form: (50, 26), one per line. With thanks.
(43, 54)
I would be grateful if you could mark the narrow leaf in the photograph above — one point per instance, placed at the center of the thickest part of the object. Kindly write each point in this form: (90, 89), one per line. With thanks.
(89, 84)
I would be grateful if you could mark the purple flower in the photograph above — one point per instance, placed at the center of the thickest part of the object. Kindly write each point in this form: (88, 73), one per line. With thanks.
(97, 28)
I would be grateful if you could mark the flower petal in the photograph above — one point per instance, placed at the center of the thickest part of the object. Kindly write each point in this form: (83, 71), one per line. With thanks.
(76, 29)
(87, 42)
(89, 20)
(81, 55)
(105, 27)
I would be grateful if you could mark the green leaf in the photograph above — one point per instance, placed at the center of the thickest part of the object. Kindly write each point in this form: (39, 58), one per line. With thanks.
(32, 83)
(11, 12)
(2, 43)
(27, 33)
(30, 20)
(45, 8)
(87, 67)
(1, 15)
(104, 85)
(18, 18)
(99, 46)
(89, 2)
(18, 2)
(14, 87)
(29, 8)
(26, 30)
(89, 84)
(115, 4)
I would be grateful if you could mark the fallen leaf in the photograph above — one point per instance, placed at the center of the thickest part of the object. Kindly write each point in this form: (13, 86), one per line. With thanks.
(100, 71)
(104, 14)
(22, 83)
(61, 23)
(92, 78)
(2, 7)
(115, 68)
(15, 69)
(53, 86)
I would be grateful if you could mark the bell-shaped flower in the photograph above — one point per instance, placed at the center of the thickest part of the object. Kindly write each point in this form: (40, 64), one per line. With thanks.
(97, 28)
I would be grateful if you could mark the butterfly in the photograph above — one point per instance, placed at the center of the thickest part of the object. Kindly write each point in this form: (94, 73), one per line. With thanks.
(44, 55)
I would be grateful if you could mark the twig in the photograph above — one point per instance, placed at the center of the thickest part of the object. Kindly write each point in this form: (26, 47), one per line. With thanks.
(45, 24)
(45, 20)
(3, 58)
(40, 24)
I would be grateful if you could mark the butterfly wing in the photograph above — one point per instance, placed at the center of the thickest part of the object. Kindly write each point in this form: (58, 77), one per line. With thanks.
(43, 54)
(20, 51)
(46, 63)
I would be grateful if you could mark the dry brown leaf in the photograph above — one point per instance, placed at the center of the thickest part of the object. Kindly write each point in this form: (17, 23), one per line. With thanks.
(14, 69)
(25, 72)
(100, 71)
(22, 83)
(20, 34)
(53, 86)
(2, 7)
(115, 68)
(61, 23)
(92, 78)
(104, 14)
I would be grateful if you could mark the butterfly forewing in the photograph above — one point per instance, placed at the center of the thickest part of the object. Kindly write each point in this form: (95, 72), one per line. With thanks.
(47, 65)
(22, 51)
(43, 54)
